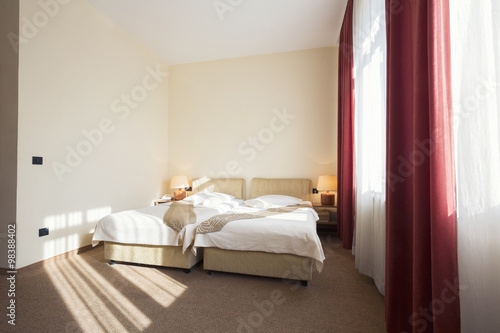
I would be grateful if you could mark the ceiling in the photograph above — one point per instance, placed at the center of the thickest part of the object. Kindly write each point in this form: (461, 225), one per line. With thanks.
(184, 31)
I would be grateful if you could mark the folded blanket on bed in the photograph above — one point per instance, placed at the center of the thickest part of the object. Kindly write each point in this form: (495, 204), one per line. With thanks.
(217, 222)
(180, 214)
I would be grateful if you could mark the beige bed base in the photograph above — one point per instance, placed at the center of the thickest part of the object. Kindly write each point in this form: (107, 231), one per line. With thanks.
(287, 266)
(283, 266)
(168, 256)
(172, 256)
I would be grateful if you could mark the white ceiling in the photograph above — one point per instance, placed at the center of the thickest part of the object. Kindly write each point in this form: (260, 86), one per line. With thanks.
(183, 31)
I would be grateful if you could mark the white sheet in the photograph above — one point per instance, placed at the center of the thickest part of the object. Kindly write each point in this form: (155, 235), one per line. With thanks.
(293, 233)
(145, 225)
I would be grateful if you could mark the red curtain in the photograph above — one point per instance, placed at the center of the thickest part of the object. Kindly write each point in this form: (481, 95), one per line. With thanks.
(421, 244)
(345, 158)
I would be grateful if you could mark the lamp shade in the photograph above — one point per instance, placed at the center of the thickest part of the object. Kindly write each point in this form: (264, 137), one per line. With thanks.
(327, 183)
(179, 182)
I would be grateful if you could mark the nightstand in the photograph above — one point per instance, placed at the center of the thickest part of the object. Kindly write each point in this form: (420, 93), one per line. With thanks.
(161, 201)
(327, 216)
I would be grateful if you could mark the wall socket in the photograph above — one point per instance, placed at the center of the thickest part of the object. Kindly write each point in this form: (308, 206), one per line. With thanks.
(315, 191)
(43, 232)
(37, 160)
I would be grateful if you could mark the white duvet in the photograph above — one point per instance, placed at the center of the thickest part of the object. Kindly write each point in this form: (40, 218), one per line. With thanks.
(145, 225)
(292, 233)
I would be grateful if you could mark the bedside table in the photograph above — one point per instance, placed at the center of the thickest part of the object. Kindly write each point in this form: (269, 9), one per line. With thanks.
(161, 201)
(327, 216)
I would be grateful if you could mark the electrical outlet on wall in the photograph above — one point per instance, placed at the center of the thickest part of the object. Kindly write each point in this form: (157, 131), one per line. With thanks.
(37, 160)
(43, 232)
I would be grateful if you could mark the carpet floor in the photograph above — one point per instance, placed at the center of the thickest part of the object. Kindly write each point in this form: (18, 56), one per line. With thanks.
(83, 293)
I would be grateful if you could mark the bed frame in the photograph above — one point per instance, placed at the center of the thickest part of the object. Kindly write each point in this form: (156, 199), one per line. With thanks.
(172, 256)
(285, 266)
(168, 256)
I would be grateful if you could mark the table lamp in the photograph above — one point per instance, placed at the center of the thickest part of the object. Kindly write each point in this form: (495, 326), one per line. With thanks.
(179, 183)
(327, 183)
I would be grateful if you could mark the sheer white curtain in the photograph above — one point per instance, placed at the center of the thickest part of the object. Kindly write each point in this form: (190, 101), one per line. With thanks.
(475, 35)
(369, 41)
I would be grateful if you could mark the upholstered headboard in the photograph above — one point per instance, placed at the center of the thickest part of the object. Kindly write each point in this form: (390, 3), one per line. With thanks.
(232, 186)
(296, 187)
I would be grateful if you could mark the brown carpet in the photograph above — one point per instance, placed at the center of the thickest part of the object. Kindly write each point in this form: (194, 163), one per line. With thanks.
(82, 293)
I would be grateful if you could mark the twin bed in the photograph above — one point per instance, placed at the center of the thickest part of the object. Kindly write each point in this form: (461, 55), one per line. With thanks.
(282, 245)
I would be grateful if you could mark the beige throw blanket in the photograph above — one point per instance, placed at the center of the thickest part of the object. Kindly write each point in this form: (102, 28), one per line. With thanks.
(179, 214)
(217, 222)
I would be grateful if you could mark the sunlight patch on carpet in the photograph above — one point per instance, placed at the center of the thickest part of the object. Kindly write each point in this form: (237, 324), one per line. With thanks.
(160, 287)
(95, 304)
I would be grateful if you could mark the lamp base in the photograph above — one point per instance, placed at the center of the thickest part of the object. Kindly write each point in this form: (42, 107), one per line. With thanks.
(327, 199)
(179, 195)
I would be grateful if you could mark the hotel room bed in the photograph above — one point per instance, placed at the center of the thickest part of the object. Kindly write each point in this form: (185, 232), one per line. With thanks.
(157, 244)
(299, 249)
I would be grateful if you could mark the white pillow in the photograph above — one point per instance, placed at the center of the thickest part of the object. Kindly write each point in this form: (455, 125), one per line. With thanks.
(257, 203)
(215, 201)
(198, 198)
(280, 200)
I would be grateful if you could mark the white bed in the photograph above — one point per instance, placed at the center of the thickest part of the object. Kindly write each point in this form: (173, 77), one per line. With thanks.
(282, 246)
(140, 235)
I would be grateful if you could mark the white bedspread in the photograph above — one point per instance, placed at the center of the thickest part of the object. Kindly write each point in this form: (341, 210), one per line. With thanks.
(293, 233)
(145, 225)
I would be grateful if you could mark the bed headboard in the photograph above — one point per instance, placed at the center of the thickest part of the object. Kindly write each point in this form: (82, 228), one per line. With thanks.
(296, 187)
(232, 186)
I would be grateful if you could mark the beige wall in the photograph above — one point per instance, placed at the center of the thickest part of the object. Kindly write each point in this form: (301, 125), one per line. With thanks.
(9, 25)
(90, 105)
(261, 116)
